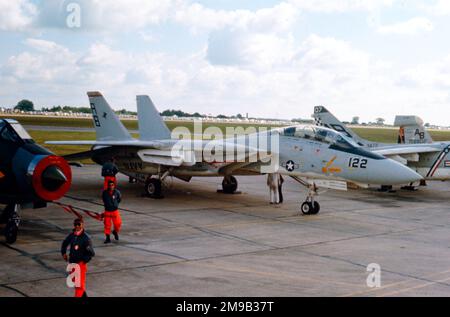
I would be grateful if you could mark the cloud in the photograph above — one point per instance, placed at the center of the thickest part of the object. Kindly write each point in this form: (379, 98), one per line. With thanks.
(251, 62)
(148, 37)
(429, 75)
(318, 70)
(315, 71)
(105, 15)
(126, 15)
(46, 46)
(197, 17)
(262, 38)
(16, 15)
(248, 49)
(439, 8)
(47, 62)
(340, 6)
(413, 26)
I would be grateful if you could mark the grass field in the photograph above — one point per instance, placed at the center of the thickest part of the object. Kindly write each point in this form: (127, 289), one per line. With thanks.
(387, 135)
(390, 135)
(129, 124)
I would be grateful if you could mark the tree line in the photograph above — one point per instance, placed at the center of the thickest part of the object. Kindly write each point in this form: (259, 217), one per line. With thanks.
(27, 106)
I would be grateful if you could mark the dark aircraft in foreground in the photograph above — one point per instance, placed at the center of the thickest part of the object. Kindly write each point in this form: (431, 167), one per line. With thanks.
(30, 175)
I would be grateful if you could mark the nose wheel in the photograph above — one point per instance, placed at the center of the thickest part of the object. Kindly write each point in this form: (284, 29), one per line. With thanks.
(310, 206)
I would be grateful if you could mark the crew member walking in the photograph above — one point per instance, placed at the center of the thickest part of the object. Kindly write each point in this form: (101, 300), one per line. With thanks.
(111, 200)
(109, 172)
(81, 252)
(273, 181)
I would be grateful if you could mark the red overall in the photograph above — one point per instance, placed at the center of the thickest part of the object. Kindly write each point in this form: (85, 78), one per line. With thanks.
(79, 291)
(112, 217)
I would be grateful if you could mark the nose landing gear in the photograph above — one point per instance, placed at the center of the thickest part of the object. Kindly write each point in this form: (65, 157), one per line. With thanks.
(310, 206)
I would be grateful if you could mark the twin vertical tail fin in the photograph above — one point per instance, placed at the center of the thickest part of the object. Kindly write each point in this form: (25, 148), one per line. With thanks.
(151, 125)
(106, 123)
(412, 130)
(323, 117)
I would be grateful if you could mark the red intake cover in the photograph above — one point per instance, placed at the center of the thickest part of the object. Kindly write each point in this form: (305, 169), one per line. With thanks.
(40, 190)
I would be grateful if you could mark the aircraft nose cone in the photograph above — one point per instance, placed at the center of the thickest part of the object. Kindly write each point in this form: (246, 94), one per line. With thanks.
(401, 174)
(53, 178)
(390, 172)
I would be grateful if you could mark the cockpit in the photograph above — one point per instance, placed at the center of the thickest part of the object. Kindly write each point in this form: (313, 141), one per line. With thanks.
(13, 132)
(319, 134)
(334, 139)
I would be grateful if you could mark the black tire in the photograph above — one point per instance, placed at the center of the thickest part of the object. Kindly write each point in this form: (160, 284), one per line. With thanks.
(11, 231)
(315, 208)
(153, 188)
(306, 208)
(3, 218)
(229, 185)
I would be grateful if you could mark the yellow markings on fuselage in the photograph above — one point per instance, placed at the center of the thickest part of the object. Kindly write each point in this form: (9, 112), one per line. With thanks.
(329, 168)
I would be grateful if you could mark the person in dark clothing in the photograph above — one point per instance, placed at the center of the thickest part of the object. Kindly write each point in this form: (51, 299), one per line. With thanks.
(109, 172)
(280, 189)
(81, 252)
(111, 200)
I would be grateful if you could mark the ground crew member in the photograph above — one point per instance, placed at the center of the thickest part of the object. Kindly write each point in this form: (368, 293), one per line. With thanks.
(111, 200)
(401, 136)
(280, 189)
(109, 172)
(81, 252)
(273, 181)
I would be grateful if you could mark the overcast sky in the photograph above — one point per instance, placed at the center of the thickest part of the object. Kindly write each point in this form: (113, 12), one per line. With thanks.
(278, 59)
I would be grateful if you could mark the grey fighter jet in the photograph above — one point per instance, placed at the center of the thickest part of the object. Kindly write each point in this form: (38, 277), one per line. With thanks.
(430, 159)
(307, 153)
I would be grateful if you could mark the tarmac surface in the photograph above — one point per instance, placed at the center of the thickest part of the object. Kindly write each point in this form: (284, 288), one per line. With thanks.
(197, 242)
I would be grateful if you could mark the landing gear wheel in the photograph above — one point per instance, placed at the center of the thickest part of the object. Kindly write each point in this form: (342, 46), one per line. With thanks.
(11, 231)
(316, 208)
(153, 188)
(309, 208)
(306, 208)
(229, 184)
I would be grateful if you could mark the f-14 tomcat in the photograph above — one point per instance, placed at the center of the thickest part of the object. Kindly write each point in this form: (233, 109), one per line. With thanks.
(30, 175)
(307, 153)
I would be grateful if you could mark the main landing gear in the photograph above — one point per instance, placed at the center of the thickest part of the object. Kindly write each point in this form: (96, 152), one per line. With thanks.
(409, 187)
(229, 184)
(153, 186)
(10, 216)
(310, 206)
